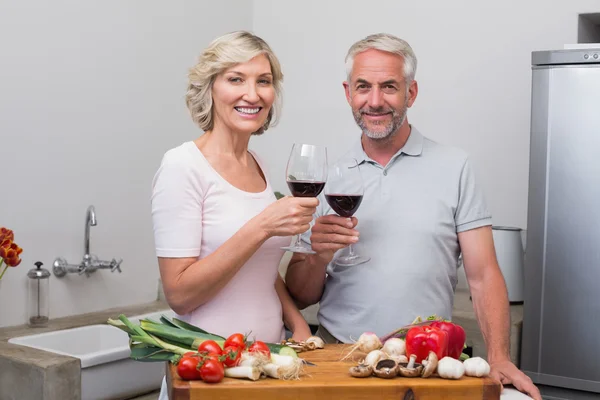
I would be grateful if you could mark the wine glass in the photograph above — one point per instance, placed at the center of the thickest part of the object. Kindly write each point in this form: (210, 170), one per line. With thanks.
(306, 174)
(344, 193)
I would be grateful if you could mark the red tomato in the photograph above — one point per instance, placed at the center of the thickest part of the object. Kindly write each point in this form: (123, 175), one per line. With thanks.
(232, 356)
(215, 357)
(211, 347)
(212, 371)
(187, 368)
(237, 339)
(260, 347)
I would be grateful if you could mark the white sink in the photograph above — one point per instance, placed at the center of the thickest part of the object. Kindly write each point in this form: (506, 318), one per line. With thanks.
(107, 372)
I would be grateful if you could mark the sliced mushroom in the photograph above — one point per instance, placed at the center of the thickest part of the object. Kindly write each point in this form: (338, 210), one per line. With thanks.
(309, 345)
(315, 342)
(386, 369)
(430, 365)
(296, 346)
(361, 371)
(411, 369)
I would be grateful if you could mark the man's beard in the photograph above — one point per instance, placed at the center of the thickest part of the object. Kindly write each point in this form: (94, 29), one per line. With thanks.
(390, 129)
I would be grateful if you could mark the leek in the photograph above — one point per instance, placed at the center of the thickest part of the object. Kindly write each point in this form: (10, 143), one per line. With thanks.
(182, 336)
(189, 327)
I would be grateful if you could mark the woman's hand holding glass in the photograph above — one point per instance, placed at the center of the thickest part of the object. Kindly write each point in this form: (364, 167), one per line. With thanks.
(306, 174)
(288, 216)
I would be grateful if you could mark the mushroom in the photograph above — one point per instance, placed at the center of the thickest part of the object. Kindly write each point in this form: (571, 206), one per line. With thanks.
(374, 357)
(296, 346)
(361, 370)
(386, 369)
(430, 365)
(399, 359)
(410, 369)
(315, 342)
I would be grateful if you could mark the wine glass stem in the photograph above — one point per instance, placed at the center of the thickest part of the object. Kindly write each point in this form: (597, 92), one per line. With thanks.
(298, 240)
(350, 251)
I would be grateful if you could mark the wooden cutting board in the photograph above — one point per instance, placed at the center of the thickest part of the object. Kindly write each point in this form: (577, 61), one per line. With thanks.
(330, 379)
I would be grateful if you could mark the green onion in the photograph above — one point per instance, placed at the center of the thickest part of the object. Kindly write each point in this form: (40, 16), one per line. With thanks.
(182, 336)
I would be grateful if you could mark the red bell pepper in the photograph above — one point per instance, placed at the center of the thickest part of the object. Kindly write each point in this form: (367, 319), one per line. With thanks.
(420, 340)
(456, 337)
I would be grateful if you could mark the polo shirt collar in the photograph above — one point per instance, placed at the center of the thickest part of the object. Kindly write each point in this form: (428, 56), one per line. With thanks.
(412, 147)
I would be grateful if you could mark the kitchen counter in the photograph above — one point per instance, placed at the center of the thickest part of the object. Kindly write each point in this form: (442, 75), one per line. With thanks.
(30, 369)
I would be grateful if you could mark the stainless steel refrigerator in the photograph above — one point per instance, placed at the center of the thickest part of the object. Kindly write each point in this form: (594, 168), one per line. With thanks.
(560, 347)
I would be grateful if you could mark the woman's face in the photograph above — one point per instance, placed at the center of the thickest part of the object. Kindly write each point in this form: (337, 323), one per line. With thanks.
(243, 96)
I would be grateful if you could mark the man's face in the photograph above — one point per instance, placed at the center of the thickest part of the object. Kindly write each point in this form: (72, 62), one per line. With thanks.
(378, 93)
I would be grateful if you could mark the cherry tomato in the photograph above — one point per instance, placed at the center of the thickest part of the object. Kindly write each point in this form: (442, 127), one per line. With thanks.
(232, 356)
(187, 368)
(212, 371)
(211, 347)
(260, 347)
(237, 339)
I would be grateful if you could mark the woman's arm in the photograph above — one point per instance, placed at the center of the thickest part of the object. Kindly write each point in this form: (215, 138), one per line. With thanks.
(178, 209)
(292, 318)
(188, 282)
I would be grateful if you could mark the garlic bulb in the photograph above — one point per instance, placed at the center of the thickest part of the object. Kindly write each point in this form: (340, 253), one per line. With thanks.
(476, 366)
(394, 347)
(450, 368)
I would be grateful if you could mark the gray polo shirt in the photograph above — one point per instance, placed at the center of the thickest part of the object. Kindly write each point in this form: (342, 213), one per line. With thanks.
(408, 221)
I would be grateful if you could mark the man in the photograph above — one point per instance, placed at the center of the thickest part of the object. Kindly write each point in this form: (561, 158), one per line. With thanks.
(421, 209)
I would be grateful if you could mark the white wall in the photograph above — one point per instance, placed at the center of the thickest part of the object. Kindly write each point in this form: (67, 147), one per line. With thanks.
(473, 74)
(92, 94)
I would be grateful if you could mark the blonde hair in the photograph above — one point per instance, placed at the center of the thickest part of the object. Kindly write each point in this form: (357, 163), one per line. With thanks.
(389, 43)
(222, 53)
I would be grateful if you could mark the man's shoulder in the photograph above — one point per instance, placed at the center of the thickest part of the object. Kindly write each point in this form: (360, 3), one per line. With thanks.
(444, 152)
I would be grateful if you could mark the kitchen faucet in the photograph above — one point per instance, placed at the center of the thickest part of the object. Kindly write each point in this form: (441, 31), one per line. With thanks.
(90, 220)
(90, 262)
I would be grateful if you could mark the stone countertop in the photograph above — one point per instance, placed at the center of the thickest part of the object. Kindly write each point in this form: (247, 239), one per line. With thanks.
(75, 321)
(30, 370)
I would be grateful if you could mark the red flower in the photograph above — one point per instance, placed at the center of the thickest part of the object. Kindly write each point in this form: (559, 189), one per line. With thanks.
(11, 254)
(9, 250)
(6, 234)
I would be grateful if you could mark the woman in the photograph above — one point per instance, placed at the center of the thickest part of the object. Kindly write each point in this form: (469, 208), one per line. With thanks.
(218, 227)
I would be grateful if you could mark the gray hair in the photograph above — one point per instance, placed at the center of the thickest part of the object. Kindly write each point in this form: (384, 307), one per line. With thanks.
(222, 53)
(385, 42)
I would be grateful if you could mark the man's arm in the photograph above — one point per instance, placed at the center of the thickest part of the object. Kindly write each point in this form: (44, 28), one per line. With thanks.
(305, 276)
(490, 301)
(488, 290)
(305, 279)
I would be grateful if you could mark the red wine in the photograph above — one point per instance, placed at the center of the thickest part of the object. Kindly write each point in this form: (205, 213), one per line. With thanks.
(305, 188)
(345, 205)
